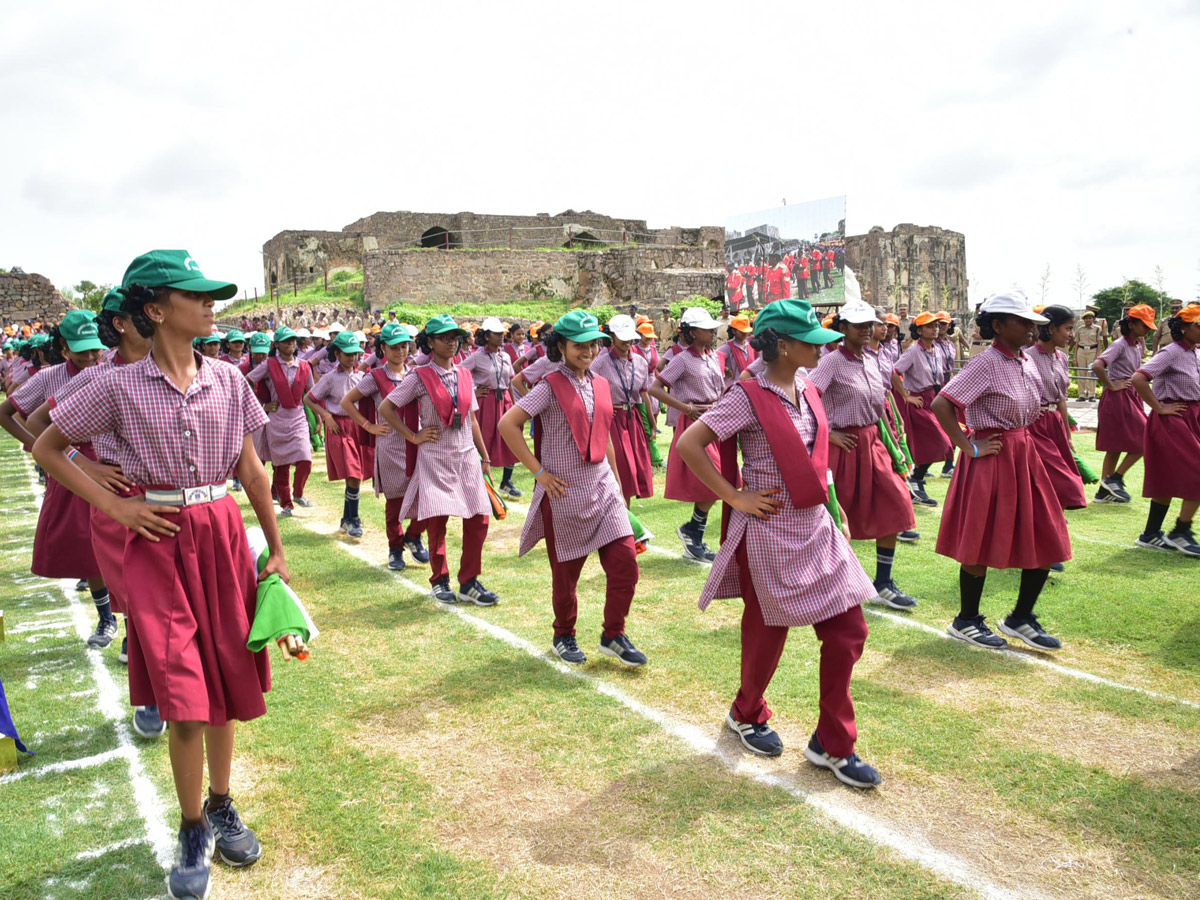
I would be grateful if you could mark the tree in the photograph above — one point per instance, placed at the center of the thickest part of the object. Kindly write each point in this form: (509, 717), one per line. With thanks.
(1081, 286)
(87, 295)
(1130, 293)
(1044, 285)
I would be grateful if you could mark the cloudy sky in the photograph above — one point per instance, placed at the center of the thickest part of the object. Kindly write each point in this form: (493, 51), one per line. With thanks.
(1057, 134)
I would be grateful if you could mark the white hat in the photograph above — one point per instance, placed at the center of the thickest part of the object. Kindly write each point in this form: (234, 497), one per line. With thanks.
(413, 330)
(491, 323)
(362, 338)
(856, 312)
(1012, 303)
(303, 332)
(336, 326)
(698, 317)
(320, 333)
(623, 327)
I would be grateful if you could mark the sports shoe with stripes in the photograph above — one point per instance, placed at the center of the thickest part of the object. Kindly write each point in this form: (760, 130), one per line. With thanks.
(760, 738)
(474, 591)
(847, 769)
(908, 537)
(1112, 490)
(1028, 630)
(622, 649)
(1154, 541)
(567, 649)
(974, 631)
(892, 596)
(1184, 540)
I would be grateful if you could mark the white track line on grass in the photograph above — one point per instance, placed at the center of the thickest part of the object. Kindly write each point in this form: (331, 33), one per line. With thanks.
(145, 796)
(913, 846)
(69, 765)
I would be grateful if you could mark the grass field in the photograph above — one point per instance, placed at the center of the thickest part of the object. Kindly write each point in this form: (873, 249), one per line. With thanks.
(433, 752)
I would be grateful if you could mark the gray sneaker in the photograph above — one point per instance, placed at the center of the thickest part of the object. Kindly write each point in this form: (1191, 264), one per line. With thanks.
(190, 876)
(148, 723)
(236, 843)
(105, 633)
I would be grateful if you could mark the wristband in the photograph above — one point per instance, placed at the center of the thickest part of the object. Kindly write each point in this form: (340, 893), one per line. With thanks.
(975, 447)
(487, 461)
(539, 471)
(72, 454)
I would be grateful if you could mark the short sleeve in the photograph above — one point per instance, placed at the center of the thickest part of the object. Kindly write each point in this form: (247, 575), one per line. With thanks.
(822, 376)
(731, 414)
(31, 395)
(538, 399)
(531, 355)
(258, 373)
(90, 411)
(673, 370)
(408, 390)
(903, 363)
(320, 390)
(253, 416)
(1157, 364)
(972, 382)
(1113, 350)
(368, 386)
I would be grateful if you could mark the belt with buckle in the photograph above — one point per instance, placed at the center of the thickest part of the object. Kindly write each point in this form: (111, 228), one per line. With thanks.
(205, 493)
(624, 406)
(1093, 347)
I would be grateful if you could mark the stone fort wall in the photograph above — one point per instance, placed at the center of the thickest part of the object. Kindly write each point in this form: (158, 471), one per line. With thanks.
(30, 296)
(914, 266)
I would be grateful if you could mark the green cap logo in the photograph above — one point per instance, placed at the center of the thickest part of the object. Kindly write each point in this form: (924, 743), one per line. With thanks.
(176, 269)
(78, 329)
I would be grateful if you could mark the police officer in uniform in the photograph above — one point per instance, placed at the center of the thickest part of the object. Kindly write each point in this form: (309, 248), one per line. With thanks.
(905, 336)
(1088, 340)
(1162, 336)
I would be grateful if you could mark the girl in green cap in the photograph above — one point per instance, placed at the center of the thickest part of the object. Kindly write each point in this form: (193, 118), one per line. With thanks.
(184, 427)
(286, 379)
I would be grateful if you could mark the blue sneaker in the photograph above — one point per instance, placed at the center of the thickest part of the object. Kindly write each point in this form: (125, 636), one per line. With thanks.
(622, 649)
(148, 723)
(417, 549)
(235, 842)
(396, 560)
(474, 591)
(847, 769)
(190, 876)
(567, 649)
(757, 738)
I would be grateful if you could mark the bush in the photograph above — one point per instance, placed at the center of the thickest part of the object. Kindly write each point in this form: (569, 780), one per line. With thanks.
(713, 306)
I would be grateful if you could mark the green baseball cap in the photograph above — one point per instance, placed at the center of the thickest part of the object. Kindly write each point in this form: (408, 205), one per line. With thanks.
(176, 269)
(78, 329)
(580, 326)
(39, 339)
(283, 333)
(795, 319)
(211, 339)
(443, 324)
(394, 333)
(260, 343)
(114, 301)
(233, 334)
(347, 343)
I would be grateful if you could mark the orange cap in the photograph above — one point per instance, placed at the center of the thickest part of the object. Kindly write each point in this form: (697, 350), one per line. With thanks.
(827, 321)
(892, 319)
(925, 318)
(642, 320)
(942, 316)
(1143, 313)
(1039, 307)
(741, 323)
(1190, 313)
(646, 328)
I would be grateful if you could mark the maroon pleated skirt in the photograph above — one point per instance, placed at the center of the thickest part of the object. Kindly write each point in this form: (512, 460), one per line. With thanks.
(1172, 463)
(190, 602)
(875, 499)
(344, 451)
(682, 483)
(1001, 511)
(1120, 422)
(62, 542)
(1053, 444)
(632, 452)
(108, 544)
(927, 443)
(491, 411)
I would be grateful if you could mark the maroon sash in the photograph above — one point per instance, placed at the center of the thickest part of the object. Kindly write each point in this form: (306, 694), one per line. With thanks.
(740, 359)
(291, 395)
(591, 438)
(261, 391)
(442, 404)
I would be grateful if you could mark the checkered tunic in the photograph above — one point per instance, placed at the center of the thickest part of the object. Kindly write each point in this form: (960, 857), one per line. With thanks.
(537, 370)
(1175, 373)
(920, 368)
(166, 436)
(803, 568)
(627, 377)
(593, 513)
(448, 480)
(41, 387)
(493, 370)
(997, 389)
(889, 352)
(1123, 356)
(851, 388)
(105, 444)
(692, 378)
(729, 361)
(287, 438)
(333, 386)
(390, 449)
(1052, 367)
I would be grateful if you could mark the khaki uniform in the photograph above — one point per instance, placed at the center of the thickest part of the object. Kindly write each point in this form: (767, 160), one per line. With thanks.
(905, 336)
(355, 324)
(1087, 345)
(1164, 332)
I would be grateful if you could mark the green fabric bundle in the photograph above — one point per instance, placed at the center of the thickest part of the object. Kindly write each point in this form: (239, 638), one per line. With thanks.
(279, 612)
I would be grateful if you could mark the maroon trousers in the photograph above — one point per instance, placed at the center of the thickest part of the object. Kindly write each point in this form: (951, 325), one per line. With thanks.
(279, 481)
(391, 518)
(618, 559)
(470, 565)
(842, 638)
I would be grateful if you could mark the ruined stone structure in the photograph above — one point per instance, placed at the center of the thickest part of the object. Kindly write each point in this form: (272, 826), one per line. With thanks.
(914, 266)
(30, 296)
(583, 256)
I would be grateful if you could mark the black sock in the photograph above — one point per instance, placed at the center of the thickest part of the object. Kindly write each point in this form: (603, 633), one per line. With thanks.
(508, 470)
(884, 557)
(699, 519)
(919, 474)
(1181, 526)
(970, 588)
(216, 801)
(100, 598)
(1032, 582)
(351, 507)
(1156, 517)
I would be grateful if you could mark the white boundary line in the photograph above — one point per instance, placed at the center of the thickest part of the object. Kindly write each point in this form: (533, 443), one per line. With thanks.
(146, 798)
(913, 846)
